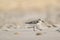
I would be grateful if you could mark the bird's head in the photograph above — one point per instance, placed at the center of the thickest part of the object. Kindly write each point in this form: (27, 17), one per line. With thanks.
(39, 19)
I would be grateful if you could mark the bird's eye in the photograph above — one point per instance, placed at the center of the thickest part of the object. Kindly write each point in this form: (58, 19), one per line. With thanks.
(39, 19)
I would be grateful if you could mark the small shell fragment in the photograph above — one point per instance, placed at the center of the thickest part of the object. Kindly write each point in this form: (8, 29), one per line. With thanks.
(17, 33)
(38, 34)
(58, 30)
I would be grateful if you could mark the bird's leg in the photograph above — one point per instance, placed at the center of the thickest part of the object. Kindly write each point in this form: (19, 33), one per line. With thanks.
(33, 28)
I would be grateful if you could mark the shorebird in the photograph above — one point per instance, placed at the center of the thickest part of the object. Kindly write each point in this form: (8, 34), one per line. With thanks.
(34, 22)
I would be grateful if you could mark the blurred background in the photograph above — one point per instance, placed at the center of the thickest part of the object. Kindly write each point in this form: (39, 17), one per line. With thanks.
(14, 14)
(22, 10)
(27, 5)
